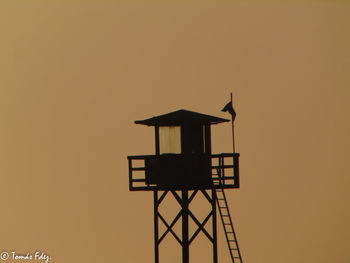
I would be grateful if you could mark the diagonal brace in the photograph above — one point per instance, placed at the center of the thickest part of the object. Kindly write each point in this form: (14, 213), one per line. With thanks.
(169, 227)
(201, 226)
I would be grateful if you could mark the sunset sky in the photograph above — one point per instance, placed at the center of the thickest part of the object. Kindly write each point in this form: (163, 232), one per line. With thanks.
(74, 75)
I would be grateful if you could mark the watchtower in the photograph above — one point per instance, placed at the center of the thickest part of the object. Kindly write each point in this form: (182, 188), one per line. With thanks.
(184, 165)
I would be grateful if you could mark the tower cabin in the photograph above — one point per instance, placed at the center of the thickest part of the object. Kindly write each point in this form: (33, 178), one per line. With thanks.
(183, 159)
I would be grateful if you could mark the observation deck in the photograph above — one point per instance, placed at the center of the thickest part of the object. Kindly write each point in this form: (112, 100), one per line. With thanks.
(183, 172)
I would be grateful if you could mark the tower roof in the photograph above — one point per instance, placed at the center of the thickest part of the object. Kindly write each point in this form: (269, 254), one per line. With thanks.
(181, 117)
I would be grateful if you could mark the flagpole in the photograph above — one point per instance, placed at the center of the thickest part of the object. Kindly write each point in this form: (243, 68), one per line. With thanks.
(233, 128)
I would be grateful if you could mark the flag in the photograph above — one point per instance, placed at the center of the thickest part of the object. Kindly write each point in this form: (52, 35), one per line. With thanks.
(228, 107)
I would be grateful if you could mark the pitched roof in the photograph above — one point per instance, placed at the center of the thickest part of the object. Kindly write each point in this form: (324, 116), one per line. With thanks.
(181, 117)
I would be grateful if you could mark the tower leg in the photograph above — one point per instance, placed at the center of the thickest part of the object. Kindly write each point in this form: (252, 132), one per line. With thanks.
(215, 246)
(156, 237)
(185, 242)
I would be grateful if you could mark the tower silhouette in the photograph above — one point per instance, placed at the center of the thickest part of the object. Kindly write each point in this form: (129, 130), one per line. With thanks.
(182, 166)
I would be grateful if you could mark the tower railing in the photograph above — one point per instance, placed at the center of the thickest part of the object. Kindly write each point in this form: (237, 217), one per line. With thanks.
(224, 172)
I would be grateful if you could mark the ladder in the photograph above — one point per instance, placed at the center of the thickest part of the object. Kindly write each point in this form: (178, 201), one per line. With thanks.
(228, 226)
(227, 221)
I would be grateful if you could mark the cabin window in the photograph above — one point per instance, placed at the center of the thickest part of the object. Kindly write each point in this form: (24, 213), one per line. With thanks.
(170, 139)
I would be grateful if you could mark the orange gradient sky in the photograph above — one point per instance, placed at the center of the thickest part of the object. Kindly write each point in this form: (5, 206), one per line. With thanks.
(74, 75)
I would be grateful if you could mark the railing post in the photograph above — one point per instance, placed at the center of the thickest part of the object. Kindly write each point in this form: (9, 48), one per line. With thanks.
(236, 170)
(223, 170)
(130, 173)
(220, 171)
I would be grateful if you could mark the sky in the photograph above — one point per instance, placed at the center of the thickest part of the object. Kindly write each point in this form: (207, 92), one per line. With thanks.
(74, 75)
